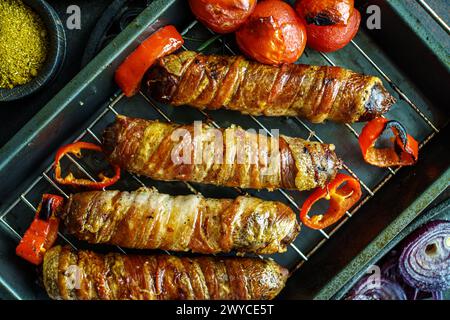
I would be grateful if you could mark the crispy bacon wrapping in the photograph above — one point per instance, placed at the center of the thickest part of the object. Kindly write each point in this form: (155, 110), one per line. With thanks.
(229, 157)
(77, 275)
(146, 219)
(316, 93)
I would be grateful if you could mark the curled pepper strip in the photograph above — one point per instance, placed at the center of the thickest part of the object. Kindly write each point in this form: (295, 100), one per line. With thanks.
(75, 148)
(130, 73)
(43, 231)
(405, 151)
(343, 192)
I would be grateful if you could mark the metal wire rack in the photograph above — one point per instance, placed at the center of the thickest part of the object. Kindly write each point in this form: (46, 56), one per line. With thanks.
(434, 15)
(88, 132)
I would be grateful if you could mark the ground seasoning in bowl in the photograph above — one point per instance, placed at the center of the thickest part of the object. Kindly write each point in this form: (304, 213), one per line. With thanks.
(23, 44)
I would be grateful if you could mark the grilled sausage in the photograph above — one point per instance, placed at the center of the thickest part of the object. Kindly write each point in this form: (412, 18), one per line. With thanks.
(229, 157)
(73, 275)
(146, 219)
(316, 93)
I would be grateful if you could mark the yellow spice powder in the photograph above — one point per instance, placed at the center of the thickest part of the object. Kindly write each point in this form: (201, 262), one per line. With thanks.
(23, 43)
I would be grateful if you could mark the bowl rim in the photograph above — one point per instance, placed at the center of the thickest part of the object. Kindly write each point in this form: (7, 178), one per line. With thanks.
(57, 42)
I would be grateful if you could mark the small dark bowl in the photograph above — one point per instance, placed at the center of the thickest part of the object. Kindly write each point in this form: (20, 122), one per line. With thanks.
(55, 52)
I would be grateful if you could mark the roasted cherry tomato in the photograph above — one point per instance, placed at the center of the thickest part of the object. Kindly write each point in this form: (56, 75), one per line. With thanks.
(325, 12)
(222, 16)
(273, 34)
(333, 38)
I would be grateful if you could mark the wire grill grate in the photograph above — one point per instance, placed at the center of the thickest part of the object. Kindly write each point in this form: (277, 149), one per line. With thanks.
(110, 108)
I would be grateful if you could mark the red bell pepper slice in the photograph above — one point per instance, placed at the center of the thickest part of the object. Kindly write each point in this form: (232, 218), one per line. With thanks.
(405, 151)
(75, 148)
(130, 73)
(343, 192)
(43, 231)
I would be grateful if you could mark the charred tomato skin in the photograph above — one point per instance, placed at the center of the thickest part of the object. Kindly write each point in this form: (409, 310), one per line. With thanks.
(325, 12)
(222, 16)
(333, 38)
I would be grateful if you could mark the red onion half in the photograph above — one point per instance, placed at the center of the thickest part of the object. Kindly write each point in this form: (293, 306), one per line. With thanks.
(387, 290)
(425, 260)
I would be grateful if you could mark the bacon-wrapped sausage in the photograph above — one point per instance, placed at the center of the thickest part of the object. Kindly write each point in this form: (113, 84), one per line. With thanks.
(146, 219)
(316, 93)
(73, 275)
(229, 157)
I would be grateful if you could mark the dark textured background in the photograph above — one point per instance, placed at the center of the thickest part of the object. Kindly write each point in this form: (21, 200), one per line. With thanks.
(15, 114)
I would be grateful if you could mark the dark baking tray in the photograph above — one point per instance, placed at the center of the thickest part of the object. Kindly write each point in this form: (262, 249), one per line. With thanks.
(323, 262)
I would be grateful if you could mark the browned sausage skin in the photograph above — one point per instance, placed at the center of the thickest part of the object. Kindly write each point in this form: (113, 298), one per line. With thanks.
(77, 275)
(146, 147)
(146, 219)
(316, 93)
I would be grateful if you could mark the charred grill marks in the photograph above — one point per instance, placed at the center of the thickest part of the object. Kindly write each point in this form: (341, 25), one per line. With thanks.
(311, 92)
